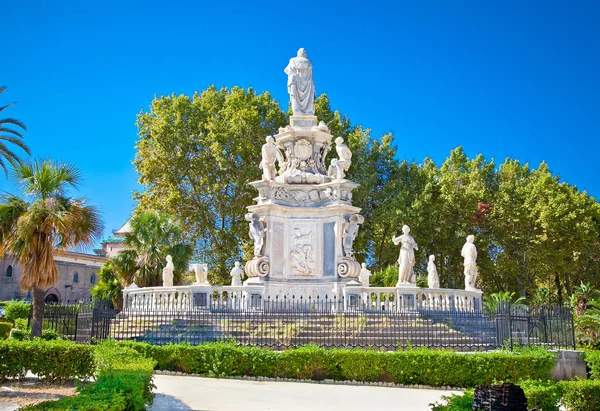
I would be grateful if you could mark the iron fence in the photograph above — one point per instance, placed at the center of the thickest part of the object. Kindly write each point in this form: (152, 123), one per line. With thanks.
(287, 323)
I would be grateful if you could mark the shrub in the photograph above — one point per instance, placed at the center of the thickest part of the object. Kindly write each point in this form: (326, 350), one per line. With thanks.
(5, 328)
(123, 383)
(49, 334)
(51, 360)
(592, 358)
(420, 366)
(580, 395)
(455, 402)
(542, 395)
(19, 334)
(16, 309)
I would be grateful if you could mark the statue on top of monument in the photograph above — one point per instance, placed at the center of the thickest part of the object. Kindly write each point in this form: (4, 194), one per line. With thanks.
(300, 85)
(339, 166)
(270, 154)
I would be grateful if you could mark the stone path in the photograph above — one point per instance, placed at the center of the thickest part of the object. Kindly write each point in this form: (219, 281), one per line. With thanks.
(179, 393)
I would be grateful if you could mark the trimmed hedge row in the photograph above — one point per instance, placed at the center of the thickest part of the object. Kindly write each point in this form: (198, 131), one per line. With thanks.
(51, 360)
(123, 383)
(5, 328)
(419, 366)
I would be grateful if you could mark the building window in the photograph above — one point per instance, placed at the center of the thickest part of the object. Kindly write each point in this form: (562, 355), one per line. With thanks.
(93, 279)
(76, 277)
(9, 271)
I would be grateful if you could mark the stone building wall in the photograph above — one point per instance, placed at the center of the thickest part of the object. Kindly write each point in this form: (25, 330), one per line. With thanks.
(77, 274)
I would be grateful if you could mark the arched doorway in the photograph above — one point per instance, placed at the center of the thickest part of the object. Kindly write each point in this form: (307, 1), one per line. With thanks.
(51, 299)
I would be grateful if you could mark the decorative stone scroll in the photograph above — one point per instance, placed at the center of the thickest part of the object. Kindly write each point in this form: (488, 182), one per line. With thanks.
(348, 267)
(258, 267)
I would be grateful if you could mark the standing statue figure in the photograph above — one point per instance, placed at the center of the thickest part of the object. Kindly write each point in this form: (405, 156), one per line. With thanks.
(300, 85)
(257, 232)
(167, 272)
(270, 154)
(433, 280)
(237, 273)
(469, 252)
(364, 275)
(406, 259)
(350, 232)
(339, 166)
(201, 272)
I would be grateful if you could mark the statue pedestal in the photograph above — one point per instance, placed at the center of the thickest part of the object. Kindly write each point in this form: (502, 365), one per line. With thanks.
(303, 121)
(407, 295)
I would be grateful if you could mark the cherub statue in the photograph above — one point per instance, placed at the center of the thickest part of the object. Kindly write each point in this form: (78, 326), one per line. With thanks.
(270, 154)
(337, 169)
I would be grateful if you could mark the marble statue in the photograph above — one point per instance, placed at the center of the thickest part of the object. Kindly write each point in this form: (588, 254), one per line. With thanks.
(339, 166)
(433, 280)
(406, 259)
(201, 272)
(270, 154)
(167, 272)
(469, 252)
(364, 275)
(257, 232)
(350, 232)
(237, 273)
(301, 254)
(300, 85)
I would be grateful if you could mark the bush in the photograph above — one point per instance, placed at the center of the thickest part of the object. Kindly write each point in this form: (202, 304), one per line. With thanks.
(455, 402)
(592, 358)
(123, 383)
(420, 366)
(542, 395)
(51, 360)
(580, 395)
(49, 334)
(5, 328)
(16, 309)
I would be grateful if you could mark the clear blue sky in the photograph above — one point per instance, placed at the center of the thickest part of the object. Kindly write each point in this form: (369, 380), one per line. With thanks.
(504, 78)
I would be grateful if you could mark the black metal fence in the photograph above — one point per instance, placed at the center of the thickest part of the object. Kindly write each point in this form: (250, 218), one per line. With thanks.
(290, 323)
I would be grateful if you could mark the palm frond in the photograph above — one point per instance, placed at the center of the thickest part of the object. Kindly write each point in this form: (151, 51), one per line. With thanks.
(13, 121)
(10, 130)
(17, 142)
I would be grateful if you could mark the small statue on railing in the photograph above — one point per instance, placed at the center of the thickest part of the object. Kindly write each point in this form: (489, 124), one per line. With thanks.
(167, 272)
(364, 275)
(406, 259)
(469, 252)
(339, 166)
(433, 280)
(237, 273)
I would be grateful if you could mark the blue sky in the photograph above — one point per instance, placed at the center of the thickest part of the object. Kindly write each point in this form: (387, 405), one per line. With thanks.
(504, 78)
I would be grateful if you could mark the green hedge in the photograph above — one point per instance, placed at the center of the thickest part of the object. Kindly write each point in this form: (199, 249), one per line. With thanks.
(581, 395)
(50, 360)
(419, 366)
(16, 309)
(5, 328)
(541, 395)
(592, 358)
(123, 383)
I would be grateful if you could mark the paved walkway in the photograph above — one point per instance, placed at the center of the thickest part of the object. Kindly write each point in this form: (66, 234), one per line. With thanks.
(179, 393)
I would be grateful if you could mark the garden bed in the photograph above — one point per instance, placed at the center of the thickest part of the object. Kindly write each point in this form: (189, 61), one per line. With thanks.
(31, 391)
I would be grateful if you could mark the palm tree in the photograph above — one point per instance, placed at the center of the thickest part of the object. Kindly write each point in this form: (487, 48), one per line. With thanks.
(153, 236)
(12, 136)
(51, 220)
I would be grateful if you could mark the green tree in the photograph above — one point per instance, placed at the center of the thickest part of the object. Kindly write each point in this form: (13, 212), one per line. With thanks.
(109, 285)
(12, 136)
(32, 231)
(195, 157)
(153, 236)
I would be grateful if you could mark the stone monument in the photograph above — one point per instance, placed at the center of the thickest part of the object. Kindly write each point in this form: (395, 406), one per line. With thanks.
(364, 276)
(303, 223)
(201, 272)
(236, 273)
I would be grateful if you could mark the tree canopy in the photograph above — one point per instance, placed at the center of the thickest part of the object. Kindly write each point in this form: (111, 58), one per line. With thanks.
(196, 155)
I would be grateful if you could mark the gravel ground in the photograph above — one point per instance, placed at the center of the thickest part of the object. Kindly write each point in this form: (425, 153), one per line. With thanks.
(30, 391)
